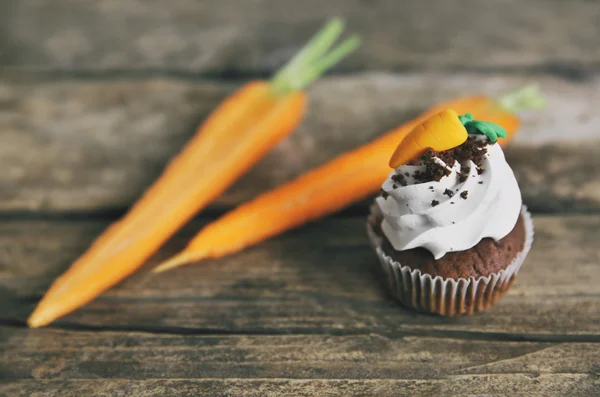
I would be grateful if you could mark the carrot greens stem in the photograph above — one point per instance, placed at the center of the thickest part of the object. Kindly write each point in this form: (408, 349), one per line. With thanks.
(528, 97)
(314, 60)
(315, 48)
(321, 66)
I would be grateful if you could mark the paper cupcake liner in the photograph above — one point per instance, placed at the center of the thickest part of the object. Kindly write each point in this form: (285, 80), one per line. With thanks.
(446, 296)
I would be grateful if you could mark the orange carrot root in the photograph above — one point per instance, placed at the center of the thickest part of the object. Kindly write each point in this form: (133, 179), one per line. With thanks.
(342, 181)
(440, 132)
(163, 209)
(236, 135)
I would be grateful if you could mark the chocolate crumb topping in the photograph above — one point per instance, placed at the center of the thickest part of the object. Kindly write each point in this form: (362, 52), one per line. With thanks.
(406, 174)
(400, 179)
(384, 194)
(433, 170)
(448, 192)
(472, 150)
(480, 182)
(394, 186)
(451, 202)
(434, 203)
(479, 171)
(464, 194)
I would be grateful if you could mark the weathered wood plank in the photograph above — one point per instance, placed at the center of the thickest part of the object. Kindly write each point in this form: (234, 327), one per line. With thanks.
(89, 145)
(515, 385)
(56, 354)
(241, 36)
(323, 278)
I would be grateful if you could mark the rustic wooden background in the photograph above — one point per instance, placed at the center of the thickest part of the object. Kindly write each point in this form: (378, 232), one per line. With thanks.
(96, 96)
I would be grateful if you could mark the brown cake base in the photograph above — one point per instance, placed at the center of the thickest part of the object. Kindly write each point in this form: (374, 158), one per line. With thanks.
(487, 257)
(459, 283)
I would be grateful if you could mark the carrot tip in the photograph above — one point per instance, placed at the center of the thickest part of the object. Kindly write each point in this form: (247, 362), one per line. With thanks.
(40, 317)
(176, 261)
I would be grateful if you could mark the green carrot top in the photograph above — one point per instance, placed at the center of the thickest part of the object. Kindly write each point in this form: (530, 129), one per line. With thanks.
(314, 60)
(492, 130)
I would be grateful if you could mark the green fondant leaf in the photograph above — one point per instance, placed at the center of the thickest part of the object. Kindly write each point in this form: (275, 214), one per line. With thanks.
(471, 128)
(466, 118)
(492, 130)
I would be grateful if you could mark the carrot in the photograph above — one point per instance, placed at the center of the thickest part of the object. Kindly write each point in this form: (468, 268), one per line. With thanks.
(348, 178)
(442, 131)
(233, 138)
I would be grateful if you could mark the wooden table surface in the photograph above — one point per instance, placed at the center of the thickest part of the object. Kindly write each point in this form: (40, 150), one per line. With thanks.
(96, 96)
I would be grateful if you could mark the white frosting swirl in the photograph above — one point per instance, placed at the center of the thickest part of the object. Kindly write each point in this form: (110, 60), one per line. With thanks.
(491, 209)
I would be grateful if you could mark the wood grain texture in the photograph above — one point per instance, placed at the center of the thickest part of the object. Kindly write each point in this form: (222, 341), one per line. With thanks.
(40, 356)
(88, 355)
(79, 145)
(96, 97)
(235, 36)
(320, 279)
(519, 385)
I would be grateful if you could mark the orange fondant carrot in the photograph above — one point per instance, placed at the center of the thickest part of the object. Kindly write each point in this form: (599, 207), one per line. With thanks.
(440, 132)
(344, 180)
(237, 134)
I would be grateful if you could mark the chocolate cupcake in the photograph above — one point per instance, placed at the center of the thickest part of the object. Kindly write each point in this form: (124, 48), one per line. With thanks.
(449, 227)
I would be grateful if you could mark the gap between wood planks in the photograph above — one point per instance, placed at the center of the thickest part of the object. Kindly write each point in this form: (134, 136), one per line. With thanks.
(211, 213)
(421, 332)
(566, 71)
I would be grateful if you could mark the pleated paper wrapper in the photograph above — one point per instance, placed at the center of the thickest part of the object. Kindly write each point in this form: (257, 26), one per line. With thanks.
(446, 296)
